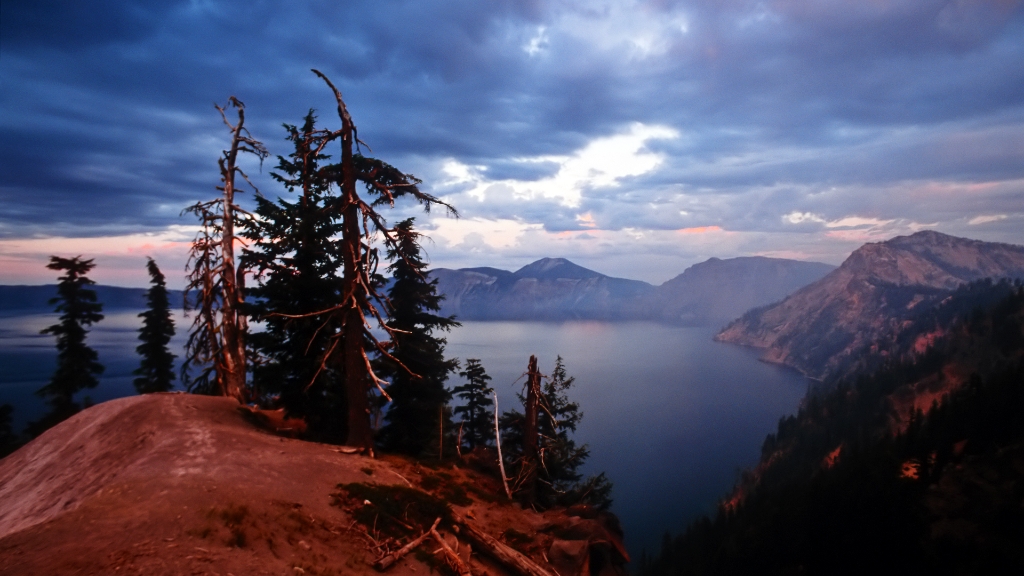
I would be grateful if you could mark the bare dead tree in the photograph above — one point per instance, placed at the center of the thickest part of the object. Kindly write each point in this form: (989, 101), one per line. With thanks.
(530, 455)
(217, 338)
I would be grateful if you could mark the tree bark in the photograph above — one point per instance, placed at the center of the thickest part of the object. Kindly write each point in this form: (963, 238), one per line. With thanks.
(233, 355)
(460, 566)
(357, 381)
(511, 559)
(530, 461)
(389, 560)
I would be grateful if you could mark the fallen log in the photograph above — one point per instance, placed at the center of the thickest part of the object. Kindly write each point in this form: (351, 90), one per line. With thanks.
(510, 558)
(389, 560)
(460, 566)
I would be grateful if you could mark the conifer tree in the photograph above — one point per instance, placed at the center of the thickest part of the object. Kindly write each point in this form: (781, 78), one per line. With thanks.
(558, 480)
(156, 371)
(418, 394)
(360, 300)
(477, 427)
(295, 256)
(77, 363)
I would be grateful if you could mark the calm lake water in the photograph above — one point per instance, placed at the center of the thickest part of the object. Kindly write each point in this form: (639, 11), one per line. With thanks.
(669, 415)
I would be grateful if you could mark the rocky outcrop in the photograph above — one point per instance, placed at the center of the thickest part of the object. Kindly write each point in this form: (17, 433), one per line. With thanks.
(819, 327)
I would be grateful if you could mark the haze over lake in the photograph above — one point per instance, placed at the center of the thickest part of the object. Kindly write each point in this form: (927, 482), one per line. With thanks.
(669, 415)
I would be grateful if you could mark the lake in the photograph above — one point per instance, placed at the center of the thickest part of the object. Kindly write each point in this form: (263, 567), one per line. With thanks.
(670, 416)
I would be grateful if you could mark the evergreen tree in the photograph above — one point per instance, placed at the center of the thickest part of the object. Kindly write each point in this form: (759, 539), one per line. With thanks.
(559, 479)
(417, 387)
(477, 422)
(77, 363)
(295, 255)
(360, 300)
(156, 371)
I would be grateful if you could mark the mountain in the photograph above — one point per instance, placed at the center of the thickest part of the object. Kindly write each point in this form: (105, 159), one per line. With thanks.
(170, 484)
(548, 289)
(36, 298)
(721, 290)
(555, 288)
(820, 328)
(712, 292)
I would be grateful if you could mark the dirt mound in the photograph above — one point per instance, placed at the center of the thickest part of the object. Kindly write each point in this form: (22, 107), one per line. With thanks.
(183, 484)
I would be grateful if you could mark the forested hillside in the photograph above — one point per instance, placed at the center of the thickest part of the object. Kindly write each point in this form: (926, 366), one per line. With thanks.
(915, 466)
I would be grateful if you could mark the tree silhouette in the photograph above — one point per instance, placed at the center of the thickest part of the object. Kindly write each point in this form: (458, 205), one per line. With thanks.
(554, 474)
(156, 371)
(216, 341)
(477, 427)
(418, 401)
(361, 225)
(295, 257)
(77, 363)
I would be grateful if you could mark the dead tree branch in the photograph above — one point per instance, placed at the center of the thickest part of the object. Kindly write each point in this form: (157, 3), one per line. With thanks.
(511, 559)
(389, 560)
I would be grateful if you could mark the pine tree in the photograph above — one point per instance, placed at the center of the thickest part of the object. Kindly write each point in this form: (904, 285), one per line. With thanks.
(156, 371)
(295, 256)
(417, 385)
(557, 472)
(361, 225)
(477, 422)
(77, 363)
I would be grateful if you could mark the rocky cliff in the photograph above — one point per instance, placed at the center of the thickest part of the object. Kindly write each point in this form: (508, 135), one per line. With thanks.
(820, 327)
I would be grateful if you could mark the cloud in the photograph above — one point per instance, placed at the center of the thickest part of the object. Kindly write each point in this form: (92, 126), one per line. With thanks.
(977, 220)
(120, 258)
(602, 163)
(469, 231)
(774, 121)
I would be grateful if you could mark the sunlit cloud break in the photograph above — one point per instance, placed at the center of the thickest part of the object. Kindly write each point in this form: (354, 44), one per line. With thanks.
(602, 163)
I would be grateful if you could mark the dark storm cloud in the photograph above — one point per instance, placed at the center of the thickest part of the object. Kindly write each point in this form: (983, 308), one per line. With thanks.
(63, 25)
(106, 116)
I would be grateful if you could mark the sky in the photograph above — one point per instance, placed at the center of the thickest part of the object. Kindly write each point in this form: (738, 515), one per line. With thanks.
(634, 138)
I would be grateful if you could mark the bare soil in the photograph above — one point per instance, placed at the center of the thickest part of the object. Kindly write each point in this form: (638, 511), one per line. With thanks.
(183, 484)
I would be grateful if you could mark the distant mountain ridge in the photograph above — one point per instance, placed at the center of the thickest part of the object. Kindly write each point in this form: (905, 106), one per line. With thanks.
(548, 289)
(722, 290)
(820, 327)
(557, 289)
(714, 291)
(36, 298)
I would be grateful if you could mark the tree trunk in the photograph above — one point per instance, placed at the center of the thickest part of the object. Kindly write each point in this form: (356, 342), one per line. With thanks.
(519, 563)
(530, 461)
(233, 357)
(357, 382)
